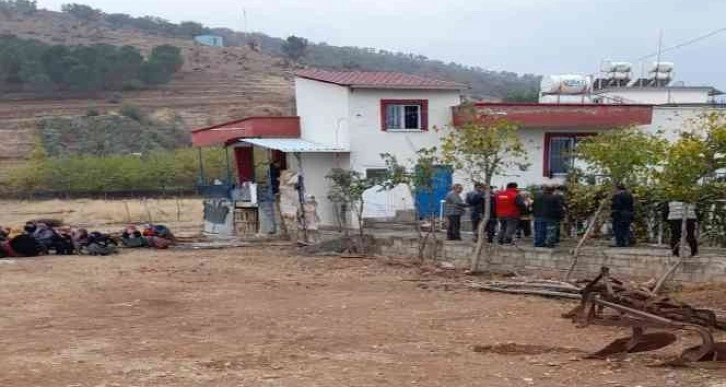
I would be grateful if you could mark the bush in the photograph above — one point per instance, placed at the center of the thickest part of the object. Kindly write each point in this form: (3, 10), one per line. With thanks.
(132, 111)
(20, 7)
(82, 11)
(159, 170)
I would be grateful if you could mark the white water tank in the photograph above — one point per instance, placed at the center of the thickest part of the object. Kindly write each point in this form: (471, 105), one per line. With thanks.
(662, 67)
(662, 76)
(616, 67)
(564, 84)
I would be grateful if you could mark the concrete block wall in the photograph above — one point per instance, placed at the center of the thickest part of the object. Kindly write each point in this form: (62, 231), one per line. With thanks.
(641, 262)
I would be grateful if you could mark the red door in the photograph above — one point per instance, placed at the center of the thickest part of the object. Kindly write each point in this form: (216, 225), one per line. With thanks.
(245, 160)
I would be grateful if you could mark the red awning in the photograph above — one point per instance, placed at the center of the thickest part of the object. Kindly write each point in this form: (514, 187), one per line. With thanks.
(538, 115)
(252, 127)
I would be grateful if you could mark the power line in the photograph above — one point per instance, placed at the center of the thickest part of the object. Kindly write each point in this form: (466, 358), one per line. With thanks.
(684, 44)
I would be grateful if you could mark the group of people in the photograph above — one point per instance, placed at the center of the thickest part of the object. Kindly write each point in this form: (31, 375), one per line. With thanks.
(48, 237)
(513, 211)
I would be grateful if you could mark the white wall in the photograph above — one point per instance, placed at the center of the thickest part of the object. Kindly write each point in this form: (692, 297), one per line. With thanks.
(658, 96)
(646, 96)
(671, 120)
(315, 167)
(367, 139)
(324, 110)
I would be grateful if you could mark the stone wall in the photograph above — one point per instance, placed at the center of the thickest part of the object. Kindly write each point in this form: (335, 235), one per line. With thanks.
(640, 262)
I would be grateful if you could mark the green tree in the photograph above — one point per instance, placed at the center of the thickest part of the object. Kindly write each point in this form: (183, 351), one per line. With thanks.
(191, 29)
(347, 189)
(418, 179)
(20, 7)
(483, 147)
(294, 47)
(626, 155)
(82, 11)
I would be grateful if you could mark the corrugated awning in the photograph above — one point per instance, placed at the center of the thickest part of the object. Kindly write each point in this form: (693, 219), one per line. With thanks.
(294, 145)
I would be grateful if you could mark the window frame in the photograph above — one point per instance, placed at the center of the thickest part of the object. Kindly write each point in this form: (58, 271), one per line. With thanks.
(548, 137)
(423, 105)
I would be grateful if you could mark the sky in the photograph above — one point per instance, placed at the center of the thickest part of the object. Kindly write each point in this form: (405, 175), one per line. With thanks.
(524, 36)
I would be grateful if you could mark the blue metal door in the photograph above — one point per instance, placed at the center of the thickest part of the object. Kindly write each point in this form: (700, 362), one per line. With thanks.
(429, 203)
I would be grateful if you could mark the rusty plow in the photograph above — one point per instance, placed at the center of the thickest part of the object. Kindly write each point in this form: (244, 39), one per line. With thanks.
(607, 301)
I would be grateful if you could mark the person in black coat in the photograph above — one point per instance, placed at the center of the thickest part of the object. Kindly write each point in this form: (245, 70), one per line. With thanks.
(548, 210)
(622, 212)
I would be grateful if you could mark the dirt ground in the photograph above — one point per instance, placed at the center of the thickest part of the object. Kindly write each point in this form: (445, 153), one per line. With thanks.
(267, 317)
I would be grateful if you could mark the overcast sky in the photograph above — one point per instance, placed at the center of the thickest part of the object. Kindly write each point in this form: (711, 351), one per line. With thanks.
(535, 36)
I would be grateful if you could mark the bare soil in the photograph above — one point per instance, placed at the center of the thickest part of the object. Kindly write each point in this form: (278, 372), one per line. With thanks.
(262, 316)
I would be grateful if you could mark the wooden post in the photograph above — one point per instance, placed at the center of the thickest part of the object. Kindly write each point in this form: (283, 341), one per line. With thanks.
(178, 209)
(681, 252)
(128, 212)
(588, 231)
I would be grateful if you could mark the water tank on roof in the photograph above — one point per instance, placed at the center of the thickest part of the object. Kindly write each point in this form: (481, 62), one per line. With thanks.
(662, 76)
(616, 67)
(564, 84)
(662, 67)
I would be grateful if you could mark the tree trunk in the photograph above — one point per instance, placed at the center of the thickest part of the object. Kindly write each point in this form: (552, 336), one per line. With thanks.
(588, 231)
(681, 252)
(480, 234)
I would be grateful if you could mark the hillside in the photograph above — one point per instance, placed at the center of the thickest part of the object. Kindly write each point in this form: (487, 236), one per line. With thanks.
(214, 85)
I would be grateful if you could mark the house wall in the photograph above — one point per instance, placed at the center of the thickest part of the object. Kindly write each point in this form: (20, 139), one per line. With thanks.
(659, 96)
(324, 112)
(367, 138)
(656, 96)
(315, 166)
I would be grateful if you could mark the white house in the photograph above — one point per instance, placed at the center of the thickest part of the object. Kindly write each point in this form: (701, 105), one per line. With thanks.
(367, 114)
(348, 119)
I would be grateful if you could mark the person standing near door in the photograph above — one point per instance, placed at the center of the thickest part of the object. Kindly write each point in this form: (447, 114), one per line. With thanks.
(454, 208)
(622, 212)
(675, 213)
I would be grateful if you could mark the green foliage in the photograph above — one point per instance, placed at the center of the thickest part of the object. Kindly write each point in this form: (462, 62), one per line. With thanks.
(420, 178)
(132, 111)
(83, 12)
(627, 155)
(483, 83)
(19, 7)
(111, 134)
(693, 161)
(294, 47)
(191, 29)
(484, 147)
(34, 66)
(527, 95)
(346, 191)
(160, 170)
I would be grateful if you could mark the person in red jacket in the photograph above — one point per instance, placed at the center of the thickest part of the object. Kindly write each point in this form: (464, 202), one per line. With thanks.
(509, 204)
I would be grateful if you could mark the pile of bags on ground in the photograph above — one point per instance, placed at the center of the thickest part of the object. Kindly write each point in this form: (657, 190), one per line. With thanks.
(51, 237)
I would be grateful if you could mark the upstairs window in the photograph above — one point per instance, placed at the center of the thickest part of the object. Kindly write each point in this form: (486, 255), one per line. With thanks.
(404, 115)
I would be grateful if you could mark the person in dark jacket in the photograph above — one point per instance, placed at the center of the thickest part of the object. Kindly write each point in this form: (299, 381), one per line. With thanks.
(548, 210)
(622, 212)
(454, 207)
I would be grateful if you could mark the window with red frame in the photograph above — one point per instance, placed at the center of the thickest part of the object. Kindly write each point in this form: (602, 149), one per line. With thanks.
(403, 115)
(559, 156)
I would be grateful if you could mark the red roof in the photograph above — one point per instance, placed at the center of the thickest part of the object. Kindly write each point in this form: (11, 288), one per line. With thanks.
(378, 80)
(250, 127)
(542, 115)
